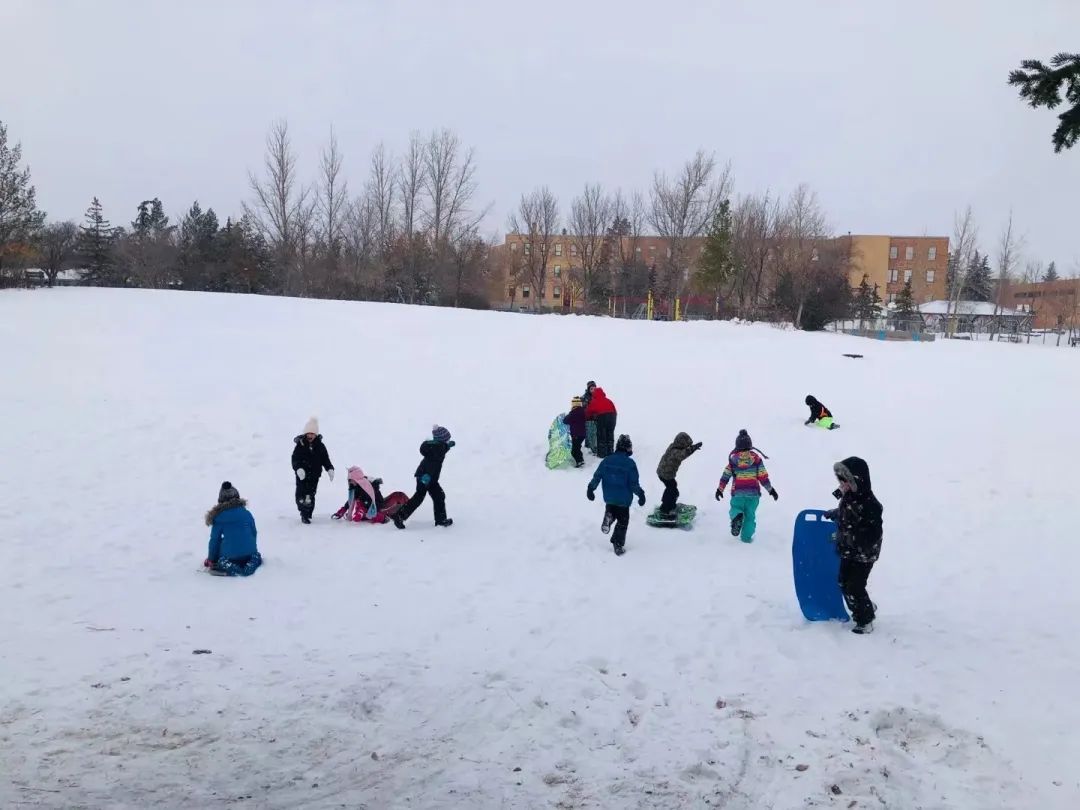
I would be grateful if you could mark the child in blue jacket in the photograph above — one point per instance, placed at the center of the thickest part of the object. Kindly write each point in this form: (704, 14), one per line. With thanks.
(619, 475)
(233, 551)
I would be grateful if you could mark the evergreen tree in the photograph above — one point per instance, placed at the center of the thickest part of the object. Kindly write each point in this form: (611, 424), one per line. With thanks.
(715, 264)
(20, 219)
(96, 240)
(200, 257)
(980, 279)
(1051, 273)
(1041, 86)
(905, 301)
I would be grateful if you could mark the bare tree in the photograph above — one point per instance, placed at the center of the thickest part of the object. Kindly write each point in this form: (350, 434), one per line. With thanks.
(805, 232)
(381, 196)
(410, 183)
(537, 220)
(965, 242)
(1033, 273)
(449, 180)
(58, 247)
(282, 207)
(468, 253)
(591, 215)
(681, 209)
(756, 221)
(333, 199)
(623, 246)
(1010, 244)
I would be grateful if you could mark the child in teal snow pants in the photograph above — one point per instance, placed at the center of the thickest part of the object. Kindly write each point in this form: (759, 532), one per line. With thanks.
(747, 471)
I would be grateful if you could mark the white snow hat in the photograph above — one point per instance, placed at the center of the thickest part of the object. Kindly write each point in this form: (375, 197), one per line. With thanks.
(312, 426)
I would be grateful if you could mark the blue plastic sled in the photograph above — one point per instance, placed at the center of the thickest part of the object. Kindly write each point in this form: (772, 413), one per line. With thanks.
(817, 568)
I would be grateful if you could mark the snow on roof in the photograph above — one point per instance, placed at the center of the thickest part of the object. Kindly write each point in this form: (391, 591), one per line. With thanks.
(967, 308)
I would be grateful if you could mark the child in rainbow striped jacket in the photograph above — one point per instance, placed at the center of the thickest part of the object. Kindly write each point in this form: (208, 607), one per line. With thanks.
(746, 467)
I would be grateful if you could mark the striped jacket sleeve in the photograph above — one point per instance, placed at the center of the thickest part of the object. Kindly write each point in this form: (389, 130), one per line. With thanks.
(763, 476)
(728, 473)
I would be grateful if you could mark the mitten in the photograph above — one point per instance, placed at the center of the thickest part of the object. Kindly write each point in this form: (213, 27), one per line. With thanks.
(330, 474)
(641, 499)
(696, 447)
(719, 494)
(775, 495)
(590, 495)
(451, 443)
(376, 482)
(425, 479)
(301, 474)
(206, 563)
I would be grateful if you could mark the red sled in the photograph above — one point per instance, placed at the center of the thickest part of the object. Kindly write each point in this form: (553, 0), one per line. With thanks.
(355, 512)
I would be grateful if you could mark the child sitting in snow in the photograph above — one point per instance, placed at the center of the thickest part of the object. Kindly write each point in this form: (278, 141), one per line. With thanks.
(619, 475)
(819, 414)
(578, 425)
(748, 470)
(365, 497)
(434, 451)
(233, 551)
(679, 450)
(858, 539)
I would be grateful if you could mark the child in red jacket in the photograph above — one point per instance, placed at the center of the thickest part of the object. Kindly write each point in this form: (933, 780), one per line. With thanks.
(602, 411)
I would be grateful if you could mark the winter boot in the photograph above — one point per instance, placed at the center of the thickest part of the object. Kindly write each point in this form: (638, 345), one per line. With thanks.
(620, 549)
(736, 525)
(446, 523)
(305, 520)
(399, 519)
(609, 518)
(863, 629)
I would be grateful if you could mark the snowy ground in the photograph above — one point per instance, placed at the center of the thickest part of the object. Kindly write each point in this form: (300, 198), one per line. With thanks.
(513, 661)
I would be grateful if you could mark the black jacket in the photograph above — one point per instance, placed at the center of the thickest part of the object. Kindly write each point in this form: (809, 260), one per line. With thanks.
(858, 515)
(312, 458)
(817, 410)
(434, 454)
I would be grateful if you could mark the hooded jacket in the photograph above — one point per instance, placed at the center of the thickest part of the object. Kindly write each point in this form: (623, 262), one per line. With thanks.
(312, 457)
(576, 421)
(678, 451)
(859, 513)
(748, 471)
(232, 531)
(599, 404)
(434, 453)
(619, 475)
(817, 410)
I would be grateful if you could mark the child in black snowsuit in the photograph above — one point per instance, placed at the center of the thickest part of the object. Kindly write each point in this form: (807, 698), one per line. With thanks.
(309, 459)
(427, 479)
(575, 420)
(681, 449)
(858, 539)
(819, 414)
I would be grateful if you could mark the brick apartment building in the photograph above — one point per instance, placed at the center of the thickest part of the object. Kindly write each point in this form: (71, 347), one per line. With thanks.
(886, 261)
(1055, 304)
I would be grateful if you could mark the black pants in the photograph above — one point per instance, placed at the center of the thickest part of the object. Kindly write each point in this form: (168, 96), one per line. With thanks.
(622, 521)
(305, 495)
(438, 500)
(575, 449)
(671, 495)
(853, 576)
(605, 434)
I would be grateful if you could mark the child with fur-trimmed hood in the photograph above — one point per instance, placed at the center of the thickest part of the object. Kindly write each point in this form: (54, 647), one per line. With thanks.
(233, 549)
(858, 538)
(678, 451)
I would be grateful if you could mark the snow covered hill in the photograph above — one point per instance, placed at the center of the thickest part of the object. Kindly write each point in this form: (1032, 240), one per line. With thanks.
(513, 661)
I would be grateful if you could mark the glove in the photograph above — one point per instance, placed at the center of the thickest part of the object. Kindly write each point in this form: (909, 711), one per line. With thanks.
(425, 479)
(301, 474)
(696, 447)
(830, 515)
(330, 474)
(641, 499)
(719, 494)
(451, 443)
(775, 495)
(590, 495)
(206, 563)
(376, 482)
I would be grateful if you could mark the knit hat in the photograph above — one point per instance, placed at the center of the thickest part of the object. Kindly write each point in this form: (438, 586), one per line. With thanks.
(227, 493)
(440, 434)
(575, 402)
(624, 445)
(743, 441)
(590, 384)
(356, 475)
(312, 426)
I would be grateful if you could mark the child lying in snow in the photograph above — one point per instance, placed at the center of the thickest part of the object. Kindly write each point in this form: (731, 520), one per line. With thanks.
(233, 551)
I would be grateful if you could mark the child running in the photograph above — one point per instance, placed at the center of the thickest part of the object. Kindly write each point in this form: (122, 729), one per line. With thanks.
(619, 475)
(747, 468)
(434, 451)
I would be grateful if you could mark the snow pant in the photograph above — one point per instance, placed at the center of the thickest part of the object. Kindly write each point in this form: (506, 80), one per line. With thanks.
(438, 500)
(671, 495)
(590, 436)
(745, 505)
(621, 518)
(853, 576)
(575, 449)
(305, 495)
(605, 434)
(825, 422)
(239, 566)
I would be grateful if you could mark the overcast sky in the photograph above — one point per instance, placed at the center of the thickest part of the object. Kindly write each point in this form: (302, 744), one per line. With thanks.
(896, 112)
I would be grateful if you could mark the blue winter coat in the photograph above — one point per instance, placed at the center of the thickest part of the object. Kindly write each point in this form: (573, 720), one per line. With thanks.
(619, 476)
(232, 531)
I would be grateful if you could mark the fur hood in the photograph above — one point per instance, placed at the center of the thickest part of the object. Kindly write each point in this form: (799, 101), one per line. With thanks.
(235, 503)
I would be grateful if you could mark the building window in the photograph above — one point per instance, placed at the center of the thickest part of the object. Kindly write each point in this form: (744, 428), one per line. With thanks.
(892, 252)
(558, 271)
(892, 298)
(637, 250)
(930, 275)
(813, 254)
(652, 248)
(558, 292)
(513, 247)
(524, 292)
(668, 252)
(528, 248)
(907, 276)
(894, 275)
(573, 250)
(558, 248)
(932, 254)
(909, 253)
